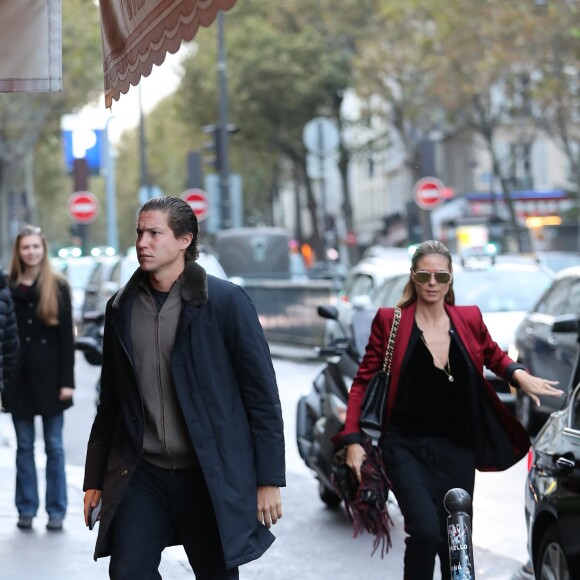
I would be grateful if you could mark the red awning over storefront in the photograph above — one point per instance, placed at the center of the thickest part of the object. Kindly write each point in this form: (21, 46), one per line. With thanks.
(138, 34)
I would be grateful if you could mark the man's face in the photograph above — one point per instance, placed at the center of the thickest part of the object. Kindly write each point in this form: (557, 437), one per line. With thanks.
(158, 249)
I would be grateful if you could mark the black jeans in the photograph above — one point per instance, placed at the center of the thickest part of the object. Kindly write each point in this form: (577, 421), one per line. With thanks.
(159, 504)
(422, 470)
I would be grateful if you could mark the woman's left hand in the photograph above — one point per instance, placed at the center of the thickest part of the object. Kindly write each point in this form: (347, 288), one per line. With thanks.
(66, 393)
(534, 386)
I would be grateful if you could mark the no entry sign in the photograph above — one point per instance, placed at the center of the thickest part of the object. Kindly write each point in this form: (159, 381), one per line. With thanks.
(429, 192)
(83, 207)
(197, 199)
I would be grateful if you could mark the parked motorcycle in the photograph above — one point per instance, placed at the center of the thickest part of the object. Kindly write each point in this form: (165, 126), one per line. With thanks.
(321, 413)
(91, 344)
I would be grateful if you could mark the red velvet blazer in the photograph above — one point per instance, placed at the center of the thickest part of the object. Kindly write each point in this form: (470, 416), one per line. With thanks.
(502, 441)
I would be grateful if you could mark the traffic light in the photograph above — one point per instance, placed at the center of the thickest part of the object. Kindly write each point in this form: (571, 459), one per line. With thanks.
(212, 146)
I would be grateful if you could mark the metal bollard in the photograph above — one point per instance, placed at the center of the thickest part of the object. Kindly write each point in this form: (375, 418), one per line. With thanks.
(458, 503)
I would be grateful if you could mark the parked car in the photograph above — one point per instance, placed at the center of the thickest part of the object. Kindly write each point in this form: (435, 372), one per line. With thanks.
(77, 271)
(361, 281)
(545, 341)
(94, 292)
(503, 291)
(552, 491)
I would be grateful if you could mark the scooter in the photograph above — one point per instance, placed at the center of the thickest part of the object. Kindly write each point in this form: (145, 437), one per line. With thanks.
(321, 413)
(91, 344)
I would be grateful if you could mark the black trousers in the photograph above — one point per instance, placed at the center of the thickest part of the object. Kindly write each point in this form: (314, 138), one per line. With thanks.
(422, 470)
(159, 504)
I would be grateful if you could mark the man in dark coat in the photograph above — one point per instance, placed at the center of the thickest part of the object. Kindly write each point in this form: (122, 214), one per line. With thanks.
(187, 445)
(8, 335)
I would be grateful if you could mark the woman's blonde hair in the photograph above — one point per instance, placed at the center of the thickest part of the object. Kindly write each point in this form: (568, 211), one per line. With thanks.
(425, 249)
(47, 282)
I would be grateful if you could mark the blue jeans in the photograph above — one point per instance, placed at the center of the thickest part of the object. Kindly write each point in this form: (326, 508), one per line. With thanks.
(26, 479)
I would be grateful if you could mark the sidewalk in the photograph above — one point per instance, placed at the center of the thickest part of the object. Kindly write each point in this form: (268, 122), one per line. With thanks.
(35, 554)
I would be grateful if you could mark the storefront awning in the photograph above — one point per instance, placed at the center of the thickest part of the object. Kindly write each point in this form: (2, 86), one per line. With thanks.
(136, 35)
(30, 46)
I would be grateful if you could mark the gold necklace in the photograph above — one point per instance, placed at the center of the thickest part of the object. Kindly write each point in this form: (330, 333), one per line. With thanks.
(446, 368)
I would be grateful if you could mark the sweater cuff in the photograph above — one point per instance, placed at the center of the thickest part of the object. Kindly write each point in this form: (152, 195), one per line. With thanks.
(352, 438)
(510, 371)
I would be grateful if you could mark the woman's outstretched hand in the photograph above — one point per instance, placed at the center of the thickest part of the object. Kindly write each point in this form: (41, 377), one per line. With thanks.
(534, 386)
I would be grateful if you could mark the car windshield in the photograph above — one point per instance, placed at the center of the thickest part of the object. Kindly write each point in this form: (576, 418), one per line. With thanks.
(507, 290)
(557, 262)
(78, 272)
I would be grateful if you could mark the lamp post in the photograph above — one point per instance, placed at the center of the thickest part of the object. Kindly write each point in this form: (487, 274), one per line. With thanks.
(144, 189)
(109, 158)
(223, 140)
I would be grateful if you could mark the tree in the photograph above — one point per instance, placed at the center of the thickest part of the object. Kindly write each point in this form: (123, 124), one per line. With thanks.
(451, 65)
(295, 68)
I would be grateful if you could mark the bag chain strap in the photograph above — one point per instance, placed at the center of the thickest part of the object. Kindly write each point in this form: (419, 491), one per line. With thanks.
(391, 343)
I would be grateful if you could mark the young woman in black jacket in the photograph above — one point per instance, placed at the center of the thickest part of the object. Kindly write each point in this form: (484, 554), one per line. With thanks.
(43, 382)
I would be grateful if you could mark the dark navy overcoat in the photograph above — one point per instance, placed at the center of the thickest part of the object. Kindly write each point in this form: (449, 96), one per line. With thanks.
(227, 390)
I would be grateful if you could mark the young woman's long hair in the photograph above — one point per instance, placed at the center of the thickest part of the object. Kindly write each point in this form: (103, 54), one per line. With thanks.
(425, 249)
(47, 282)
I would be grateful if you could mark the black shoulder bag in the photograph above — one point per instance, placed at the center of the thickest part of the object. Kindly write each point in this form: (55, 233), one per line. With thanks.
(375, 399)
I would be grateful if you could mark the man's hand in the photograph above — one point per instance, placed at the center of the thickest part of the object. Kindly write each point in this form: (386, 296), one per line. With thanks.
(92, 497)
(269, 505)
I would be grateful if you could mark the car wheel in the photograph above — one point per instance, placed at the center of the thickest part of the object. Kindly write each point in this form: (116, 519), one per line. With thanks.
(551, 563)
(526, 414)
(328, 496)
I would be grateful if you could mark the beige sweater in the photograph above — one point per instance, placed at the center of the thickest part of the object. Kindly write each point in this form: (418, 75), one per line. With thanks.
(166, 441)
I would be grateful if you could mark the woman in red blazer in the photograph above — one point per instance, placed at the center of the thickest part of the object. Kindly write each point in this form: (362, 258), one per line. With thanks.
(443, 420)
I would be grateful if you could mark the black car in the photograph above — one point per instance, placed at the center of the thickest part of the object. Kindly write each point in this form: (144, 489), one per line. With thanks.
(552, 495)
(545, 341)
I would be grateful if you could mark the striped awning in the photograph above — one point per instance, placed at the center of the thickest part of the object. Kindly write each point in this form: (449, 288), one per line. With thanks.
(139, 33)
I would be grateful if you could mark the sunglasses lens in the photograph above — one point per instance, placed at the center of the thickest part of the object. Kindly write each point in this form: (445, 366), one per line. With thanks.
(442, 277)
(422, 277)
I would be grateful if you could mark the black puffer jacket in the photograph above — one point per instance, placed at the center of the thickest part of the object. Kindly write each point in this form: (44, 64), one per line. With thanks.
(8, 333)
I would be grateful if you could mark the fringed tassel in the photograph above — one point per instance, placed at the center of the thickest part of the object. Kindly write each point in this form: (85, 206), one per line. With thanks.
(369, 511)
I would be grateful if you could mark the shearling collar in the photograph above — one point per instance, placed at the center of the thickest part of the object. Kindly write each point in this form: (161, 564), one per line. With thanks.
(193, 285)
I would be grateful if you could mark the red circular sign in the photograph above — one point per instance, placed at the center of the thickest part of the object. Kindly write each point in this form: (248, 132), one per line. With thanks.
(197, 199)
(83, 207)
(429, 192)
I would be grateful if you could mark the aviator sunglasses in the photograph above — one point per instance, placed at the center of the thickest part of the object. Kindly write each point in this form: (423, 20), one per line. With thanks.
(423, 277)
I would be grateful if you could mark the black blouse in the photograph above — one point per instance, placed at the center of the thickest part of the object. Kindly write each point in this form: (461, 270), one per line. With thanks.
(427, 403)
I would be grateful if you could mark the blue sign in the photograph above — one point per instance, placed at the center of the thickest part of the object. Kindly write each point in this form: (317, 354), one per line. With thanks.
(84, 143)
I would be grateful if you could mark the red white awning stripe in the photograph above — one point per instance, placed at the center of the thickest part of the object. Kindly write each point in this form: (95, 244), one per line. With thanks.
(138, 34)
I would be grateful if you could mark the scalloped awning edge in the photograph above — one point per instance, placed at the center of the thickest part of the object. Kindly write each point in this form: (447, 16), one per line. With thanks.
(137, 34)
